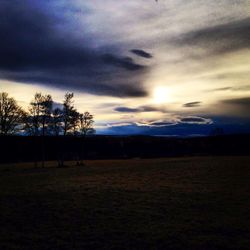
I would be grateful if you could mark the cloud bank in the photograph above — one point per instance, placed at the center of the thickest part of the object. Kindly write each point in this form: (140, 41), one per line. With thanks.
(40, 46)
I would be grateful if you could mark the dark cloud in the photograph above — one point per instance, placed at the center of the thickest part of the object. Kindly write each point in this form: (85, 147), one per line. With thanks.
(123, 62)
(223, 38)
(238, 101)
(127, 110)
(148, 108)
(192, 104)
(142, 53)
(195, 120)
(161, 124)
(39, 45)
(236, 108)
(140, 109)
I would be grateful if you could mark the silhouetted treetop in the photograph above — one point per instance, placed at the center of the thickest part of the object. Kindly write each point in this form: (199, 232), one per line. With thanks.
(42, 119)
(11, 115)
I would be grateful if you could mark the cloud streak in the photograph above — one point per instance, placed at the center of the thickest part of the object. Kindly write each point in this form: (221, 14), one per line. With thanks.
(221, 38)
(195, 120)
(142, 53)
(192, 104)
(191, 120)
(180, 126)
(141, 109)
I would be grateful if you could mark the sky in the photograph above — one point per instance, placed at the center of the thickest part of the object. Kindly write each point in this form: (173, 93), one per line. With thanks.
(166, 67)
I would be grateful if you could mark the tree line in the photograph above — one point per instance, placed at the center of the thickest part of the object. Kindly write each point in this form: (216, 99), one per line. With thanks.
(43, 118)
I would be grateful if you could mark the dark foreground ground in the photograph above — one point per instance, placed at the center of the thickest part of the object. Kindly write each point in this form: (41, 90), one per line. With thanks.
(184, 203)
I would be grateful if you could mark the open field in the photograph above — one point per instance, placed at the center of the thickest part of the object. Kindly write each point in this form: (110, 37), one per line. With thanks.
(175, 203)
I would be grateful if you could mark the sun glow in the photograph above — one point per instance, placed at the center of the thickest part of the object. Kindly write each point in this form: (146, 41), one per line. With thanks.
(160, 95)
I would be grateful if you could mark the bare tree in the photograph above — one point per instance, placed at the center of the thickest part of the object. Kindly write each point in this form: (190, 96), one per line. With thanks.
(67, 122)
(75, 122)
(69, 113)
(11, 115)
(56, 121)
(39, 118)
(33, 121)
(46, 111)
(86, 123)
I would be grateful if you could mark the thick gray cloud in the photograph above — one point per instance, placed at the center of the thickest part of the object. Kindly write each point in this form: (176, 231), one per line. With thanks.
(39, 46)
(240, 106)
(127, 110)
(221, 38)
(125, 62)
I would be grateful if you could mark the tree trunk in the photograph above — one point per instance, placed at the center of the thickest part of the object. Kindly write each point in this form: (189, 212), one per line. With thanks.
(35, 155)
(82, 151)
(43, 152)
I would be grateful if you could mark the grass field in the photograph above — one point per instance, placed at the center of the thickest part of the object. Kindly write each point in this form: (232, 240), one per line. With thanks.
(182, 203)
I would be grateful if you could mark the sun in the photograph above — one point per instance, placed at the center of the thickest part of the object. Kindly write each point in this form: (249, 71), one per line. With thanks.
(160, 95)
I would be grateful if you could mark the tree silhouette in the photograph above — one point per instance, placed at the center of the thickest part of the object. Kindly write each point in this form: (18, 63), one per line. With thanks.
(33, 121)
(68, 115)
(56, 122)
(11, 115)
(42, 120)
(86, 123)
(75, 122)
(46, 112)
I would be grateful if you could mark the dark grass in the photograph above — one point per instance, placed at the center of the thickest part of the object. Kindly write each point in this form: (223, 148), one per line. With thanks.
(182, 203)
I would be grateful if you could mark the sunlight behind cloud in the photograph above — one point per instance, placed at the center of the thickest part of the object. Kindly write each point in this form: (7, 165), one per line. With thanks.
(161, 95)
